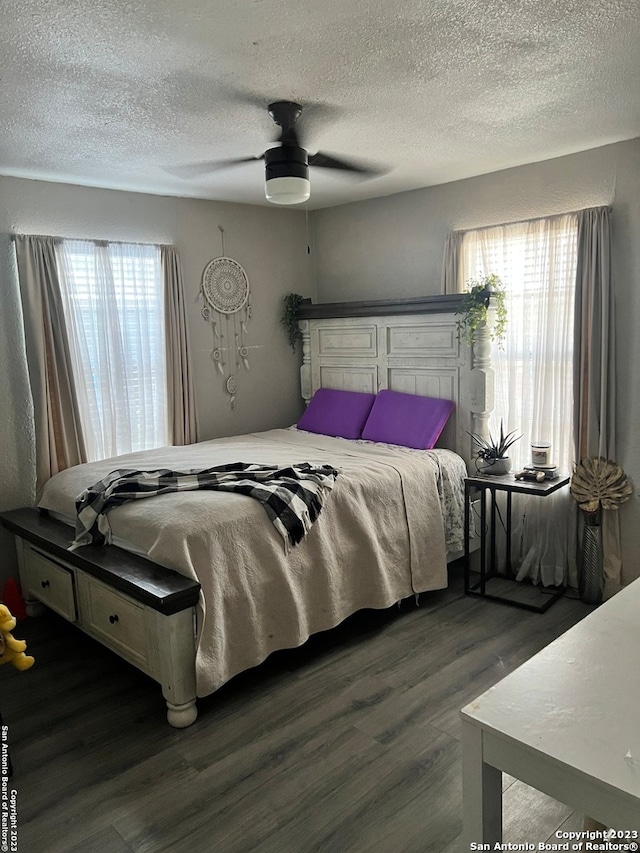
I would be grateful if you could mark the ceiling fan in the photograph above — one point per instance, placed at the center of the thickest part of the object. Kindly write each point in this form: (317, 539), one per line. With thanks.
(287, 164)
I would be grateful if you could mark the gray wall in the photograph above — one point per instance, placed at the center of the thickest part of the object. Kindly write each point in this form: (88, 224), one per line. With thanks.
(393, 247)
(269, 243)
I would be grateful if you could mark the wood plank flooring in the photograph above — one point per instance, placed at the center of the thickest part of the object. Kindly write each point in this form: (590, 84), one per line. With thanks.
(350, 744)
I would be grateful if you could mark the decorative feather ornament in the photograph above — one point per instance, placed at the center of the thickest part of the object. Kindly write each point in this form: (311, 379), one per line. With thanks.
(599, 482)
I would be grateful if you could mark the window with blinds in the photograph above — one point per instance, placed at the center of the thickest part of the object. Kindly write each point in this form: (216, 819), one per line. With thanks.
(114, 307)
(537, 262)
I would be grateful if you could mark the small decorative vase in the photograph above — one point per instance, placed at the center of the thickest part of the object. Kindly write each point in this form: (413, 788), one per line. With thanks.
(591, 580)
(495, 466)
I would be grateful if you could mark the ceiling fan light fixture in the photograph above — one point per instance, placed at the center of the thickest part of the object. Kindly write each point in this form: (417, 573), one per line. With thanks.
(287, 175)
(287, 190)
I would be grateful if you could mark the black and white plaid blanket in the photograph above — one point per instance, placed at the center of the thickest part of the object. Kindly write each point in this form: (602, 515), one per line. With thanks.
(292, 496)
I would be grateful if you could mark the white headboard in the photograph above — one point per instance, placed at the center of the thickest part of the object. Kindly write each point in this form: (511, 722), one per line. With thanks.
(406, 345)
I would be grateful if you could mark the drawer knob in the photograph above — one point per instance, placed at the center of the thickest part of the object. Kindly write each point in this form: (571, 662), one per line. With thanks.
(113, 619)
(44, 584)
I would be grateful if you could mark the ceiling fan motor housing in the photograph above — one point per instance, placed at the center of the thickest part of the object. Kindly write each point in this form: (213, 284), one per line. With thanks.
(286, 161)
(287, 175)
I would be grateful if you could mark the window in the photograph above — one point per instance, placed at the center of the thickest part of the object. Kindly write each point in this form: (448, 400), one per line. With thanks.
(536, 260)
(114, 308)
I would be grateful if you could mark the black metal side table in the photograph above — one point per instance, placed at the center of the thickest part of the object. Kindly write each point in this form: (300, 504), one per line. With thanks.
(490, 583)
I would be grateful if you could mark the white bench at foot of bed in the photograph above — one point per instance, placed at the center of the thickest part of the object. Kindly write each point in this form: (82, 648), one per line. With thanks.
(142, 612)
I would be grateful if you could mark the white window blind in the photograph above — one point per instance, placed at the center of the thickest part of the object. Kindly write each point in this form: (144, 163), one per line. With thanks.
(113, 301)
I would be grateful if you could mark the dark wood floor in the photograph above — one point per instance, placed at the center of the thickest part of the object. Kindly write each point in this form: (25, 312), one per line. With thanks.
(348, 745)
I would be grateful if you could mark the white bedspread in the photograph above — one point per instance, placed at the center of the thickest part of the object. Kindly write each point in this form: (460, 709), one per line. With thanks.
(379, 538)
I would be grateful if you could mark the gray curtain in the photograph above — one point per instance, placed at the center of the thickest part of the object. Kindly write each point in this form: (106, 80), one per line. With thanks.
(595, 337)
(451, 263)
(58, 433)
(180, 389)
(594, 370)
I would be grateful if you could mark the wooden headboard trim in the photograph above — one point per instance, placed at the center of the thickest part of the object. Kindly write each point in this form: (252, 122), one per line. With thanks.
(447, 304)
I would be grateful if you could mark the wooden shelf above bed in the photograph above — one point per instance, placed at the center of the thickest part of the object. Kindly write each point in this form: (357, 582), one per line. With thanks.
(443, 304)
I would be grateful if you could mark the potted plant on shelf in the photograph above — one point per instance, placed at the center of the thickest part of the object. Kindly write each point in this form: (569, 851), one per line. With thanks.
(474, 309)
(290, 305)
(491, 454)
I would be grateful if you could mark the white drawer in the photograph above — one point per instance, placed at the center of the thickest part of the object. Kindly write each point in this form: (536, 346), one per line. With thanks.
(50, 582)
(115, 620)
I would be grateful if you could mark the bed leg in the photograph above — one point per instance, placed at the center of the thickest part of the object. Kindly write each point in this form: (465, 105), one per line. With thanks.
(181, 716)
(33, 607)
(177, 666)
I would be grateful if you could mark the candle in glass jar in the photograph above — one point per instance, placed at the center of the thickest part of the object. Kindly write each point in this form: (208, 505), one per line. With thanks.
(541, 454)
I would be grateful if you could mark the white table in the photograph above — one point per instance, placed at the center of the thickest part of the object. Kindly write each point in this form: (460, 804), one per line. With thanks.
(566, 722)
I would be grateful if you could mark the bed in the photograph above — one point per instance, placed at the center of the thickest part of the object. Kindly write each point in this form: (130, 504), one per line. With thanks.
(193, 604)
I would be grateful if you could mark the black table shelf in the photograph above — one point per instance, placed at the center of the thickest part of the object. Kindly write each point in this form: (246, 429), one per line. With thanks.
(488, 582)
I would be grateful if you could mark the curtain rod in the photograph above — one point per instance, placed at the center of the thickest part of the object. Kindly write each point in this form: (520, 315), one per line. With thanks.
(91, 240)
(532, 219)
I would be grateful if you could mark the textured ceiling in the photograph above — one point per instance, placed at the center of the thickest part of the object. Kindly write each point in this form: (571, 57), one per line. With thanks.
(119, 94)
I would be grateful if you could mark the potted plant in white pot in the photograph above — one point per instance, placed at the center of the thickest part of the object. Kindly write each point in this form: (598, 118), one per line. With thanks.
(491, 454)
(474, 309)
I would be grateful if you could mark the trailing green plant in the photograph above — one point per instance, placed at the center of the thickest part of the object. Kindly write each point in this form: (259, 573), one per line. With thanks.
(474, 308)
(290, 305)
(492, 448)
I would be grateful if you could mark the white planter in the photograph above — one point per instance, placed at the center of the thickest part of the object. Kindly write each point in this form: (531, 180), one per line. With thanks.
(495, 466)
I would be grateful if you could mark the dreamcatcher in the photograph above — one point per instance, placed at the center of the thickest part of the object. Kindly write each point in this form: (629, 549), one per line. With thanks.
(227, 306)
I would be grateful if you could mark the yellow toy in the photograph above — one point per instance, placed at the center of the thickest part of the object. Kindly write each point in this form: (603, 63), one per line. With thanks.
(12, 650)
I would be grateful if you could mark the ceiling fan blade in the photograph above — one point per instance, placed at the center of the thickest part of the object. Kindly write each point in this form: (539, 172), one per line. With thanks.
(195, 170)
(328, 161)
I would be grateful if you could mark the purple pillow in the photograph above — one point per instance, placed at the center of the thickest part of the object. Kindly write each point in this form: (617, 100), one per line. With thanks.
(407, 419)
(337, 413)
